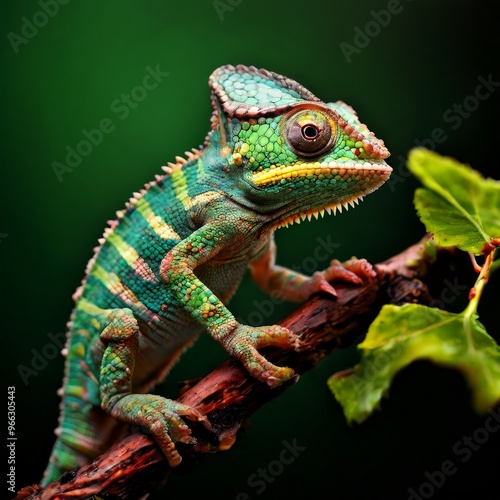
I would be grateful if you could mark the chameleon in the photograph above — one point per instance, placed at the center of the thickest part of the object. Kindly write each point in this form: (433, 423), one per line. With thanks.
(169, 262)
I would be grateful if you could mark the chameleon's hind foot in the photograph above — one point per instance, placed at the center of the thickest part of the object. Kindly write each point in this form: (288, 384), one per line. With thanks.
(163, 418)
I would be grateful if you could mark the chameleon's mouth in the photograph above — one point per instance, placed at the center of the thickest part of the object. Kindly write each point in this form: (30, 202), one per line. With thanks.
(366, 177)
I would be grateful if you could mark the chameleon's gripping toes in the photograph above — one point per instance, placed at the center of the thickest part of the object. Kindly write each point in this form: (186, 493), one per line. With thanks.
(172, 259)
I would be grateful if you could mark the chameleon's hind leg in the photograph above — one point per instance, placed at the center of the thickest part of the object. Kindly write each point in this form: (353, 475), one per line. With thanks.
(162, 417)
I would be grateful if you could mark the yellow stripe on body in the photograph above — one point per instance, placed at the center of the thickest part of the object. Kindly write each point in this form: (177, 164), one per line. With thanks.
(90, 308)
(113, 283)
(131, 257)
(159, 226)
(179, 185)
(102, 315)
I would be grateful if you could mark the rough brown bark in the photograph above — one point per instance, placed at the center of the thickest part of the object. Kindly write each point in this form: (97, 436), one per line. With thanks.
(228, 395)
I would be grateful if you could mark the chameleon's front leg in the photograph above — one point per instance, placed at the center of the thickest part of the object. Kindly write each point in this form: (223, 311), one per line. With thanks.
(161, 416)
(296, 287)
(240, 341)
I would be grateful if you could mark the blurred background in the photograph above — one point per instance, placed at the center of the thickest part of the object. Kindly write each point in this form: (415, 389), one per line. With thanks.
(418, 73)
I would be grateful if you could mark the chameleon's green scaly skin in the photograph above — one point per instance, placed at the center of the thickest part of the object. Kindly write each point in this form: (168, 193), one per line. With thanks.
(166, 266)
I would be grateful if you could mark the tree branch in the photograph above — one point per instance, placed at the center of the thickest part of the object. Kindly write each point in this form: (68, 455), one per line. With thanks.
(228, 395)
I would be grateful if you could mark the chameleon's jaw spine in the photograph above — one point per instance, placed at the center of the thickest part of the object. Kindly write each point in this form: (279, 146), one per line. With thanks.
(317, 212)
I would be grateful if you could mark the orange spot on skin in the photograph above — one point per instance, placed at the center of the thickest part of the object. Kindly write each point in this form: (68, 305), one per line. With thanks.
(237, 159)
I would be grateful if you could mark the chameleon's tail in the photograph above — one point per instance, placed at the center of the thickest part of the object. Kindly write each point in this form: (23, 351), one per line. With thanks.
(62, 459)
(83, 427)
(75, 444)
(84, 432)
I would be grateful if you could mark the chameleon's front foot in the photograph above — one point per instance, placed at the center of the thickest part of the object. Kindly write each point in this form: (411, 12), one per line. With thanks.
(243, 341)
(353, 270)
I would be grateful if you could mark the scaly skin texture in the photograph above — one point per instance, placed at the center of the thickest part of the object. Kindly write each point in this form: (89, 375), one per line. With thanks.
(166, 267)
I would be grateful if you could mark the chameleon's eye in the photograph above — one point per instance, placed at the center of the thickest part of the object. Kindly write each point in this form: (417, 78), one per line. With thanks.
(309, 132)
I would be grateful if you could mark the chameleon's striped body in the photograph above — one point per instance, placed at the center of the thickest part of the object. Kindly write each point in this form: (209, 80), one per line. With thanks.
(121, 274)
(141, 303)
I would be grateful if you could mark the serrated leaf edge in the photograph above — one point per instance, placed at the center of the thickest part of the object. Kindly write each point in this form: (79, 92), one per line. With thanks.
(432, 185)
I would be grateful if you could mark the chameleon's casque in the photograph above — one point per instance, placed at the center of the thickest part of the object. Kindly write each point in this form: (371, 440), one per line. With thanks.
(171, 260)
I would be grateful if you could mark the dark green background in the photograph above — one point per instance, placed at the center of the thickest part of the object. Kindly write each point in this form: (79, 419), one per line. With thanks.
(427, 58)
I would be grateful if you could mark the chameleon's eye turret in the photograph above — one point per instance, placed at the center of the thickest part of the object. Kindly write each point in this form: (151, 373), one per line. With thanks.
(309, 132)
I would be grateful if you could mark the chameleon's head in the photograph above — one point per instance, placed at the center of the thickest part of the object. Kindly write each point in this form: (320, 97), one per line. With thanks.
(286, 152)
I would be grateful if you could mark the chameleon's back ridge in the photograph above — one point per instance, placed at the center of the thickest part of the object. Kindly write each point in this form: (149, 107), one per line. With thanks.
(168, 264)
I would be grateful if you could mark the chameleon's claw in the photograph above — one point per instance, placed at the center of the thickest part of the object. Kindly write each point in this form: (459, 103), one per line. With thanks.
(188, 440)
(172, 455)
(318, 283)
(197, 416)
(271, 381)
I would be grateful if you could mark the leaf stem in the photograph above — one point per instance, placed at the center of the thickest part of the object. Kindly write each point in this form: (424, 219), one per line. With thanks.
(477, 289)
(475, 265)
(474, 295)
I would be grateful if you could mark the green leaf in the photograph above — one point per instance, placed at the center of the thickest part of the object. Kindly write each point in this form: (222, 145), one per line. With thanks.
(458, 206)
(401, 335)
